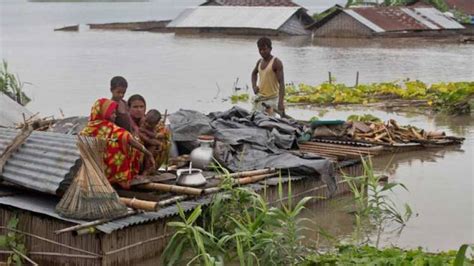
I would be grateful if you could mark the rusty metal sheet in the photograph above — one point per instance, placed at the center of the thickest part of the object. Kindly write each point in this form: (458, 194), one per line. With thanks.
(391, 19)
(252, 2)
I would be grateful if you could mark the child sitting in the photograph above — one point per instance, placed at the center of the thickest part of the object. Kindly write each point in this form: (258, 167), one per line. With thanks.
(155, 137)
(118, 87)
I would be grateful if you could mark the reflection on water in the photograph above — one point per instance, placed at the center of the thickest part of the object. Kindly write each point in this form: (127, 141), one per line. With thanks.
(440, 184)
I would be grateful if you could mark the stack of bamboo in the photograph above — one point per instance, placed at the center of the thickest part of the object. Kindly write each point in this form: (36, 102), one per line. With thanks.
(391, 133)
(238, 178)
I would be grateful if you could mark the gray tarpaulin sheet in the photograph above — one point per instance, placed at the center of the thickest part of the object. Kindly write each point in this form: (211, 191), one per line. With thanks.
(247, 141)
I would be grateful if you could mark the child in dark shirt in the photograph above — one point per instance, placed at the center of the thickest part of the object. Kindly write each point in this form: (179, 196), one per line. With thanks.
(118, 87)
(155, 137)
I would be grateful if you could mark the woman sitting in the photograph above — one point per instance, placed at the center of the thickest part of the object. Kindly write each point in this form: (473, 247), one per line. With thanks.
(137, 106)
(122, 163)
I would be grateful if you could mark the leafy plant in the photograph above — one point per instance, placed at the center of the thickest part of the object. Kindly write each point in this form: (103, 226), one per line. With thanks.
(241, 226)
(374, 208)
(12, 86)
(15, 242)
(446, 97)
(364, 118)
(368, 255)
(189, 235)
(241, 97)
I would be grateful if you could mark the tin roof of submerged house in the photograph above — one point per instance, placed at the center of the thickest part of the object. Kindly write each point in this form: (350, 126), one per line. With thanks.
(45, 162)
(241, 17)
(250, 3)
(395, 19)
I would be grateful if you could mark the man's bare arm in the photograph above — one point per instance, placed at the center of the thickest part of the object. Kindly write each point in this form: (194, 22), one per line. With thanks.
(278, 68)
(254, 78)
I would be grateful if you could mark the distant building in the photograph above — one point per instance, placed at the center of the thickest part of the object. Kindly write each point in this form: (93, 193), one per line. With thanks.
(249, 3)
(466, 7)
(385, 21)
(243, 20)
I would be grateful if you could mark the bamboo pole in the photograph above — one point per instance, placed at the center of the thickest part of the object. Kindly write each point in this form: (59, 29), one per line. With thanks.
(342, 146)
(172, 200)
(247, 173)
(171, 188)
(348, 149)
(253, 179)
(140, 204)
(93, 223)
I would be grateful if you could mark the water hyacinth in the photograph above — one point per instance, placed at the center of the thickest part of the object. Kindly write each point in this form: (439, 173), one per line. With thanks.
(451, 97)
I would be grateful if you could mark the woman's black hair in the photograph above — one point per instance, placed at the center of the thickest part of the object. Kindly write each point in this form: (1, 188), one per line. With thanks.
(135, 97)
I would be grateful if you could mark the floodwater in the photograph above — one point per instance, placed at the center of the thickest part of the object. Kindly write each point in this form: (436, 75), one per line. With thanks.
(440, 186)
(69, 70)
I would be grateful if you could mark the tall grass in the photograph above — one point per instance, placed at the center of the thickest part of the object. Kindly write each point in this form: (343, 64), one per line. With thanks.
(374, 208)
(240, 226)
(11, 85)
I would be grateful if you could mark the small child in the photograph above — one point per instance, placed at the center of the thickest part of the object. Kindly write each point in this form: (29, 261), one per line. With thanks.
(118, 87)
(155, 137)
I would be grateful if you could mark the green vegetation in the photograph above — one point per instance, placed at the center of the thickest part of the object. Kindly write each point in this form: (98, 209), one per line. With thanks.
(368, 255)
(240, 227)
(449, 97)
(14, 242)
(12, 86)
(241, 97)
(374, 208)
(364, 118)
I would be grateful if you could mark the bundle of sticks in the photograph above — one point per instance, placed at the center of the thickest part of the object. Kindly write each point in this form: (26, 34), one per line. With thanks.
(391, 133)
(90, 196)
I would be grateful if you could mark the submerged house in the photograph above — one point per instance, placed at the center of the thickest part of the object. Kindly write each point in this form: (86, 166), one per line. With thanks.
(243, 20)
(37, 174)
(249, 3)
(363, 22)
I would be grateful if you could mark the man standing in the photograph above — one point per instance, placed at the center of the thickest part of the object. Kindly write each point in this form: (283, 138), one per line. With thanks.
(270, 91)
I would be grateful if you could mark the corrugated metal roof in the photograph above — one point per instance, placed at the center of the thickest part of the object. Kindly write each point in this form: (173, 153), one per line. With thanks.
(234, 17)
(439, 18)
(363, 20)
(251, 2)
(46, 161)
(420, 18)
(11, 112)
(44, 204)
(388, 19)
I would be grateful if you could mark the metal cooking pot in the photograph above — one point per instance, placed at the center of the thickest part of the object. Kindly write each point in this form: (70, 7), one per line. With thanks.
(193, 178)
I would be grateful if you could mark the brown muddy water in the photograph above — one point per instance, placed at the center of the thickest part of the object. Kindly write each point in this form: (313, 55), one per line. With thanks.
(440, 186)
(69, 70)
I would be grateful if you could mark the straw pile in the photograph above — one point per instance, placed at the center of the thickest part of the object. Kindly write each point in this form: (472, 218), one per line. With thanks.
(90, 196)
